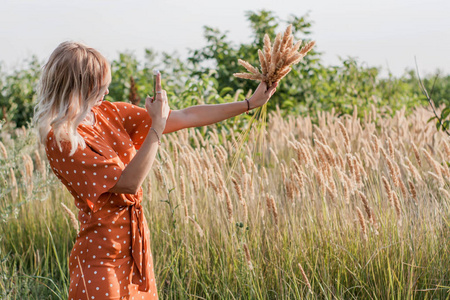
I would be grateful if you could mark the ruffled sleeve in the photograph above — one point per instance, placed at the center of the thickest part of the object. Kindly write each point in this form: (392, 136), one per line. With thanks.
(136, 121)
(88, 174)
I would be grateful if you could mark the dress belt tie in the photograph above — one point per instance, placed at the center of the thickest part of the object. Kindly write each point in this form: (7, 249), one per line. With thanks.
(139, 246)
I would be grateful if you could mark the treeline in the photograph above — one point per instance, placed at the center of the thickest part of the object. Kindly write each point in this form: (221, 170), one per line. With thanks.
(206, 76)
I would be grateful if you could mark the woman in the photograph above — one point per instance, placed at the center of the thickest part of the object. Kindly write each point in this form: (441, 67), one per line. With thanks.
(91, 147)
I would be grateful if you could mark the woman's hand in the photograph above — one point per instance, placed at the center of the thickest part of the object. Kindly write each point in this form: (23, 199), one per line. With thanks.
(159, 109)
(262, 95)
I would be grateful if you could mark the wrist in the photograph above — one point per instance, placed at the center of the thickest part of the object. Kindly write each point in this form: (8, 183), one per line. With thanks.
(159, 126)
(156, 133)
(248, 105)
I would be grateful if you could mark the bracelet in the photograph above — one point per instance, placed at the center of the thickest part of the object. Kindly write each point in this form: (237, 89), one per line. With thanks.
(248, 106)
(157, 135)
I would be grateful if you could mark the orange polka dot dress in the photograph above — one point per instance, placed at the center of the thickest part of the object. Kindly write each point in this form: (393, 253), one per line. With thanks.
(111, 258)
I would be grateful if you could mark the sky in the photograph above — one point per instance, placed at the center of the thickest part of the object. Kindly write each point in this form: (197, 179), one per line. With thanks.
(383, 33)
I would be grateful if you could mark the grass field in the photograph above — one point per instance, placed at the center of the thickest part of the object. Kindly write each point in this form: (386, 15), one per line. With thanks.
(346, 209)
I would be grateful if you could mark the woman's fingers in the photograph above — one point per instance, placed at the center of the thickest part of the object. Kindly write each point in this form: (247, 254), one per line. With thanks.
(148, 100)
(160, 107)
(272, 88)
(162, 96)
(158, 87)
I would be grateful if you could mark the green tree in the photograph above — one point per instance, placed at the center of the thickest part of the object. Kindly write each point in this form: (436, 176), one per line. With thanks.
(18, 93)
(206, 76)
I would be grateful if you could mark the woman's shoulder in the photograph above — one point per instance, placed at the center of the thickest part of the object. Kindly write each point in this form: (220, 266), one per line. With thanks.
(116, 104)
(107, 106)
(119, 109)
(113, 107)
(119, 106)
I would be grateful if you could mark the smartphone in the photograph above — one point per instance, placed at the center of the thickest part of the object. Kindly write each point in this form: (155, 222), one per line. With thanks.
(155, 74)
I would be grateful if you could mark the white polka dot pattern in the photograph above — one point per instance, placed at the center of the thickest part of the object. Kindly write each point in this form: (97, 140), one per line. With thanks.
(136, 121)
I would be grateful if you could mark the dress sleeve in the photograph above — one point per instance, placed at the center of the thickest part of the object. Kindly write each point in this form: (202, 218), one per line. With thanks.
(136, 121)
(87, 174)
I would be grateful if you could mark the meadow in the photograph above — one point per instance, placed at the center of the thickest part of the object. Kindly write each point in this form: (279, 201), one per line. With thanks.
(337, 208)
(343, 194)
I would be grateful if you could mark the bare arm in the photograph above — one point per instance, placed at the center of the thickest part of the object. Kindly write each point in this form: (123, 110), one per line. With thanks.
(135, 172)
(201, 115)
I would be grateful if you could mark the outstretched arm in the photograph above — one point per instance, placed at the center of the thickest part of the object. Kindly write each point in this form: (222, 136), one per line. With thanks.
(201, 115)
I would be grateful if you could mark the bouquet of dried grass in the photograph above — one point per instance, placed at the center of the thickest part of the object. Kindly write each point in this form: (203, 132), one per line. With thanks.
(277, 59)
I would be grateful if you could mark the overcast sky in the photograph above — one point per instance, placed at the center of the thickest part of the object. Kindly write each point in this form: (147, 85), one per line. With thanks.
(386, 33)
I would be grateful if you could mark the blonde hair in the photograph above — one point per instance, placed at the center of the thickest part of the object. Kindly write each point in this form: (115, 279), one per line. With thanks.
(72, 81)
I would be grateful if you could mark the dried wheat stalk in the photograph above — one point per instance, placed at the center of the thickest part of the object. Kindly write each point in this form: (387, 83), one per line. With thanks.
(276, 60)
(73, 219)
(248, 258)
(362, 222)
(197, 227)
(3, 151)
(308, 284)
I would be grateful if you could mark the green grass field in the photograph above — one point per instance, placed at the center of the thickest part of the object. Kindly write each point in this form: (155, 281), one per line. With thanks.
(304, 214)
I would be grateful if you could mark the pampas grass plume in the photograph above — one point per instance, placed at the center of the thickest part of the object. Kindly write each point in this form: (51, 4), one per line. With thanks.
(276, 60)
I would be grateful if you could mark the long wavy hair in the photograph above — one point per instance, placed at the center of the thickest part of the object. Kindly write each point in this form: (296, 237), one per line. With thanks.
(72, 81)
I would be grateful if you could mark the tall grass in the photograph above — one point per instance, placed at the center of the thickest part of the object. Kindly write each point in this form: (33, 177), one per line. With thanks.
(345, 209)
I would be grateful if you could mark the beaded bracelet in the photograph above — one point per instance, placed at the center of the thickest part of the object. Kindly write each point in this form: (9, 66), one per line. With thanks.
(157, 135)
